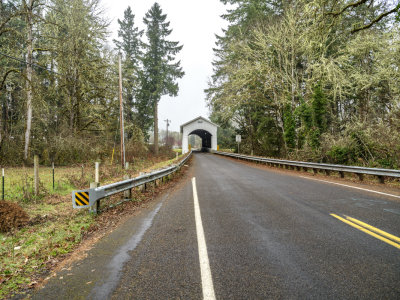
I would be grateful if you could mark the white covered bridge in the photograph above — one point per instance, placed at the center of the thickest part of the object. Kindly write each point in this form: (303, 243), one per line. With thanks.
(203, 128)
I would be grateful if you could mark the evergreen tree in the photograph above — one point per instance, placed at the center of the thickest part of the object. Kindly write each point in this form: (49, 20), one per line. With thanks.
(160, 69)
(131, 47)
(319, 108)
(289, 126)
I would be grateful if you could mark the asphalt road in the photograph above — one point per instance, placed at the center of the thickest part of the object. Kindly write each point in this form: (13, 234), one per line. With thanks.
(268, 235)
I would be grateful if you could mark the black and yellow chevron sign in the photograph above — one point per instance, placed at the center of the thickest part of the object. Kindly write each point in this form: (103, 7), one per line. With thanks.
(82, 198)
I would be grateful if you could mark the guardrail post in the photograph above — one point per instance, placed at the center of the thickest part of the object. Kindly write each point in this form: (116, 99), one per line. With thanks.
(341, 174)
(315, 171)
(360, 176)
(143, 186)
(95, 208)
(381, 179)
(127, 193)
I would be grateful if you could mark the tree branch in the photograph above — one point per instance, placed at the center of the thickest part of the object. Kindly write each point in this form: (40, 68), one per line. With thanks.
(350, 5)
(370, 24)
(380, 17)
(6, 75)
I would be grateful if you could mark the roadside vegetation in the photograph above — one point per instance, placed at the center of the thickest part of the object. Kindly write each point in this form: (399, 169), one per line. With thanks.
(59, 99)
(310, 80)
(37, 232)
(59, 80)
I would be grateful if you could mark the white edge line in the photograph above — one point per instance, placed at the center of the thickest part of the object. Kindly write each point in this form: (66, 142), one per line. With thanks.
(205, 270)
(353, 187)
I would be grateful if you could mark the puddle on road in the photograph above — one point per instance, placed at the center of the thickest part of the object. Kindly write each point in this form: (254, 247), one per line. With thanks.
(116, 264)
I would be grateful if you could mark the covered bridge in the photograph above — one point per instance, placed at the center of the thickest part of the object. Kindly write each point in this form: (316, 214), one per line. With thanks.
(203, 128)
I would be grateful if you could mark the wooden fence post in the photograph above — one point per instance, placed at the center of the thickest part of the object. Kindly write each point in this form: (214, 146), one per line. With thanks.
(96, 175)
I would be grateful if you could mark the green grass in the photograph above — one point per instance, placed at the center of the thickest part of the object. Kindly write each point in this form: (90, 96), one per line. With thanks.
(29, 250)
(226, 150)
(166, 163)
(177, 150)
(18, 183)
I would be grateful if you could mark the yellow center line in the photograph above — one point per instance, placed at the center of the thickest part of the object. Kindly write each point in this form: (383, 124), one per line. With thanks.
(367, 231)
(374, 229)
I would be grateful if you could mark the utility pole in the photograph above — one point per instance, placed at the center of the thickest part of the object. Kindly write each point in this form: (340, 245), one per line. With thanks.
(168, 122)
(121, 114)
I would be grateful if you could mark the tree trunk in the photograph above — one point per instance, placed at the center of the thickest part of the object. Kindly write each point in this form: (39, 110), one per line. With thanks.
(1, 119)
(71, 113)
(28, 78)
(73, 103)
(6, 112)
(155, 128)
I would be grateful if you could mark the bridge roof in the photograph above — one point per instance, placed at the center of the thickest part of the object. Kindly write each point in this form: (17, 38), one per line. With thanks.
(195, 120)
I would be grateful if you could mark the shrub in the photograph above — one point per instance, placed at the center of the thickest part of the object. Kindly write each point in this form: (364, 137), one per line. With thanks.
(339, 155)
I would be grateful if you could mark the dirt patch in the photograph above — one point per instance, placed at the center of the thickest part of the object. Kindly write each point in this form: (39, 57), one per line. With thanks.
(12, 216)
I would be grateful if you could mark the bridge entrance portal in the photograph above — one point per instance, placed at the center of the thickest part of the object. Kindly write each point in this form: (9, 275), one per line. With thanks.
(203, 128)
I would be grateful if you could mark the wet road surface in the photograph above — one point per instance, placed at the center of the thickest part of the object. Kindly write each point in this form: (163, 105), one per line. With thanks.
(267, 235)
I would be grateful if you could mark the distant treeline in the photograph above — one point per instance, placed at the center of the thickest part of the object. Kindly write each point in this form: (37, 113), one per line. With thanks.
(59, 91)
(312, 80)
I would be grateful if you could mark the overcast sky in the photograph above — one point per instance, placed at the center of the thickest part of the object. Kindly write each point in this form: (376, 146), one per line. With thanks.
(194, 24)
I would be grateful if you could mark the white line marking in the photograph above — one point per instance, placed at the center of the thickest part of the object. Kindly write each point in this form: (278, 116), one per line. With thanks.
(206, 278)
(353, 187)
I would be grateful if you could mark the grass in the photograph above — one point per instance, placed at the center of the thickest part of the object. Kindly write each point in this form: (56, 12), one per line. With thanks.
(227, 150)
(56, 228)
(179, 150)
(166, 163)
(32, 249)
(18, 183)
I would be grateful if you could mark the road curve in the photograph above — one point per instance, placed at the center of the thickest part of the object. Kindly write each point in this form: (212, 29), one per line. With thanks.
(268, 235)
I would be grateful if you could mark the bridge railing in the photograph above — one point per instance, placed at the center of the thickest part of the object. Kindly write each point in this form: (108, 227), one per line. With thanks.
(92, 196)
(341, 169)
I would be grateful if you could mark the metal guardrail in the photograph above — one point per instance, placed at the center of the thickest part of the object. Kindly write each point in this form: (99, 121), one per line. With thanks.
(360, 171)
(90, 197)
